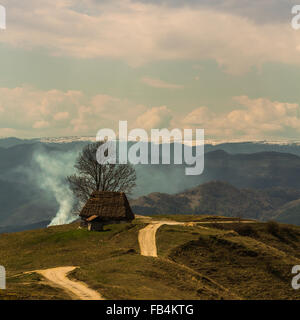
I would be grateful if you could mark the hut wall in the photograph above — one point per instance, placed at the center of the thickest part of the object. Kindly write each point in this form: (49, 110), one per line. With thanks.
(116, 221)
(95, 226)
(83, 223)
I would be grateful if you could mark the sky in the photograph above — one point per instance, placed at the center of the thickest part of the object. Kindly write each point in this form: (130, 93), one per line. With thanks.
(72, 67)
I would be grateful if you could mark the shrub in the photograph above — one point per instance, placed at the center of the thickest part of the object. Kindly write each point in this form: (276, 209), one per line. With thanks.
(217, 226)
(245, 230)
(273, 228)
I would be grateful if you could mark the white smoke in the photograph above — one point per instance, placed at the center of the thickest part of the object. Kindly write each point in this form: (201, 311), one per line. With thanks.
(53, 170)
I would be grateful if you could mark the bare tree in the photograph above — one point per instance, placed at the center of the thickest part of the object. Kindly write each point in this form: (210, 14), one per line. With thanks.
(94, 176)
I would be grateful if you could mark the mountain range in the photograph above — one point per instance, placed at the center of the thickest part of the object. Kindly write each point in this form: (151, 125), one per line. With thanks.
(29, 189)
(222, 199)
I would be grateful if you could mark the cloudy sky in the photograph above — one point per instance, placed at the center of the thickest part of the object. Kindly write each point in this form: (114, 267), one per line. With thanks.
(72, 67)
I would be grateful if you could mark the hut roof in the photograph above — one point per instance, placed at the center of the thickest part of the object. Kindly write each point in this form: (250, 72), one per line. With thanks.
(106, 205)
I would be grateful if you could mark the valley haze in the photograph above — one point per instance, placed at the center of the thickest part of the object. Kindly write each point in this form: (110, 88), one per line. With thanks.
(43, 164)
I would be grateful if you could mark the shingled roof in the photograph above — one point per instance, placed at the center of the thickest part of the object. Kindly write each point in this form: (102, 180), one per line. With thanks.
(106, 205)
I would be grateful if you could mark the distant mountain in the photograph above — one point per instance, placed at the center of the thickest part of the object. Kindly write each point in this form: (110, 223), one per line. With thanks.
(219, 198)
(32, 212)
(12, 195)
(233, 147)
(24, 201)
(290, 213)
(255, 147)
(11, 142)
(22, 204)
(257, 170)
(16, 228)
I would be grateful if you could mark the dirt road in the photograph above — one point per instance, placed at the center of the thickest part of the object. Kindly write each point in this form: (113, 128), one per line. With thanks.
(78, 290)
(147, 235)
(147, 241)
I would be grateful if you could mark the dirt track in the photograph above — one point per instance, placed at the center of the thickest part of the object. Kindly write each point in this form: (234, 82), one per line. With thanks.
(147, 235)
(77, 290)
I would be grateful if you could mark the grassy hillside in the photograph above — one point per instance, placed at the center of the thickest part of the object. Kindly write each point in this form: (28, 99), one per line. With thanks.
(253, 260)
(195, 262)
(109, 261)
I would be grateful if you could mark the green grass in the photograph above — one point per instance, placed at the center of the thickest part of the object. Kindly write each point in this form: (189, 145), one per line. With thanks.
(108, 261)
(253, 261)
(59, 246)
(31, 287)
(220, 261)
(63, 245)
(193, 218)
(137, 277)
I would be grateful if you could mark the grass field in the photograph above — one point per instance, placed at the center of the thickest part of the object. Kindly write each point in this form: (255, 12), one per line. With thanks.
(194, 218)
(254, 261)
(214, 262)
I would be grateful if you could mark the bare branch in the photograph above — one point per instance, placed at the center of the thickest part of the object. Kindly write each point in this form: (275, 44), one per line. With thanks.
(93, 176)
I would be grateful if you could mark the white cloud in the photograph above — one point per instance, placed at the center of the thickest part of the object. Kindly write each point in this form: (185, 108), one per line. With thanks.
(29, 112)
(143, 32)
(155, 118)
(157, 83)
(255, 118)
(41, 124)
(8, 132)
(199, 116)
(261, 11)
(61, 116)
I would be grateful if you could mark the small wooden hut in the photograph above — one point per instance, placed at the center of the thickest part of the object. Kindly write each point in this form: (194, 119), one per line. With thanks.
(105, 208)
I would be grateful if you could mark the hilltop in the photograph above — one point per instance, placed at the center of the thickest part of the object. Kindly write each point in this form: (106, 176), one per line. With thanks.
(214, 259)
